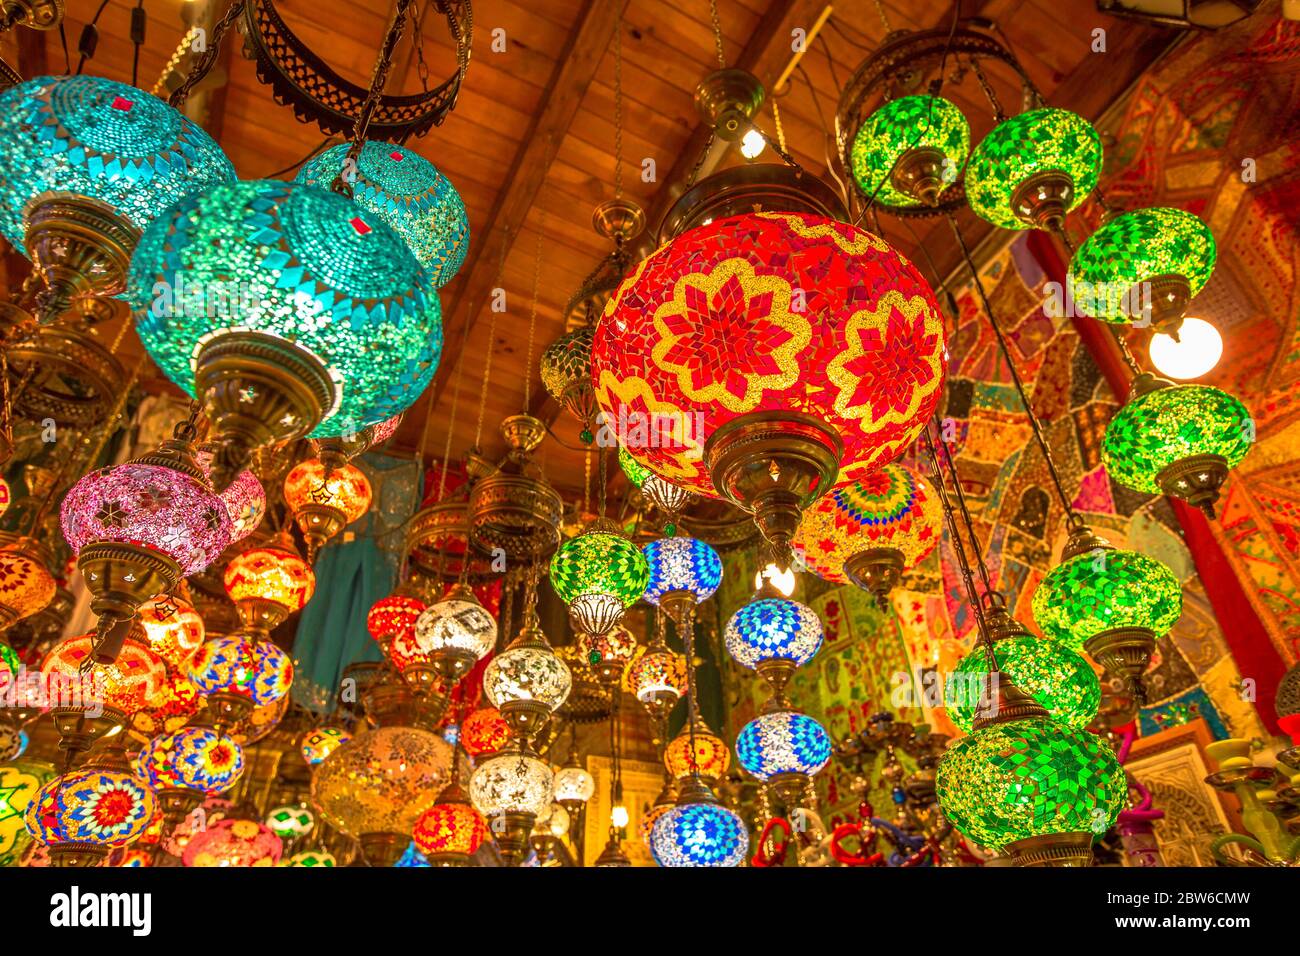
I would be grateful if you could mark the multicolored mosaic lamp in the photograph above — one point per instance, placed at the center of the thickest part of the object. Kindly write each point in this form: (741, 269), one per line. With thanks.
(1179, 440)
(267, 584)
(527, 682)
(137, 528)
(1032, 169)
(89, 163)
(185, 767)
(395, 615)
(319, 743)
(609, 653)
(173, 628)
(784, 350)
(407, 192)
(21, 779)
(773, 636)
(233, 842)
(1143, 265)
(291, 821)
(1113, 604)
(599, 574)
(452, 830)
(908, 151)
(321, 289)
(785, 749)
(566, 375)
(324, 502)
(684, 572)
(26, 585)
(699, 832)
(663, 494)
(236, 674)
(657, 678)
(484, 732)
(871, 531)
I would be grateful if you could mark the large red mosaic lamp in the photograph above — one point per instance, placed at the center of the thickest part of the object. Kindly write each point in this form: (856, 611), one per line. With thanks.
(766, 356)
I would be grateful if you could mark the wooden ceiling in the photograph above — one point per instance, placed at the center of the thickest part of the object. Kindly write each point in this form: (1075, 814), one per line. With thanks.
(530, 143)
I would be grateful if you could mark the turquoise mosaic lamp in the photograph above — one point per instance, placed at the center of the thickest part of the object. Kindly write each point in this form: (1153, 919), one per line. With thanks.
(1178, 440)
(908, 152)
(1144, 264)
(1032, 169)
(287, 309)
(89, 163)
(407, 192)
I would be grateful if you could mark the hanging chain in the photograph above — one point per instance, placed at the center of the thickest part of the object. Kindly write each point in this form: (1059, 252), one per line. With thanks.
(717, 33)
(618, 105)
(601, 482)
(965, 511)
(492, 337)
(203, 65)
(451, 423)
(999, 114)
(417, 40)
(586, 480)
(532, 324)
(780, 129)
(378, 80)
(1125, 352)
(884, 17)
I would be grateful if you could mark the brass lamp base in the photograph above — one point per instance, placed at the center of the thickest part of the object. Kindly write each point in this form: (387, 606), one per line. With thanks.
(788, 788)
(596, 614)
(258, 390)
(80, 246)
(620, 219)
(1043, 199)
(120, 578)
(659, 703)
(79, 855)
(177, 803)
(227, 709)
(259, 617)
(612, 855)
(448, 859)
(453, 663)
(1170, 295)
(753, 187)
(78, 730)
(1052, 849)
(1126, 653)
(525, 718)
(728, 100)
(876, 571)
(1195, 479)
(384, 848)
(774, 464)
(918, 174)
(319, 523)
(776, 671)
(513, 840)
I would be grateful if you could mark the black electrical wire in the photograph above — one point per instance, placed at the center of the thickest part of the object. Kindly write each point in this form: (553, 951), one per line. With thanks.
(89, 38)
(137, 40)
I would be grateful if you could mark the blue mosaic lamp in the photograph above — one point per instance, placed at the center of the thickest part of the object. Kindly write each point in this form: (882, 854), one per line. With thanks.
(784, 748)
(683, 573)
(288, 310)
(698, 831)
(407, 192)
(89, 163)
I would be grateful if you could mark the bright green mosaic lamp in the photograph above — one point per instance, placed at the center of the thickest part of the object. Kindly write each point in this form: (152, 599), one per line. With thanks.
(599, 574)
(666, 496)
(636, 472)
(1034, 168)
(906, 153)
(1171, 250)
(1055, 676)
(1178, 440)
(1110, 603)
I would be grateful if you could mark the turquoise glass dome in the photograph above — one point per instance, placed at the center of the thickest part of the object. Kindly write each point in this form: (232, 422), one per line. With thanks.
(299, 263)
(100, 139)
(407, 192)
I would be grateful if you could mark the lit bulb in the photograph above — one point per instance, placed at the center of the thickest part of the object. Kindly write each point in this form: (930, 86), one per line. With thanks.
(783, 581)
(1196, 351)
(618, 817)
(752, 144)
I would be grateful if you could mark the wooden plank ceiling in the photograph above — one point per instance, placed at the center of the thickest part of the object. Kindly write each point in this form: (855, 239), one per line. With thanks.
(530, 143)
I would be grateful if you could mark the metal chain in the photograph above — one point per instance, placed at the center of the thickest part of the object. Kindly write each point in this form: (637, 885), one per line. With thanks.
(999, 114)
(717, 33)
(203, 65)
(417, 40)
(492, 336)
(965, 511)
(532, 324)
(884, 17)
(1125, 352)
(618, 105)
(780, 129)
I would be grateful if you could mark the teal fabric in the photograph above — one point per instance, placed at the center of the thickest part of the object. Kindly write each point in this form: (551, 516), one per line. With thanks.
(353, 572)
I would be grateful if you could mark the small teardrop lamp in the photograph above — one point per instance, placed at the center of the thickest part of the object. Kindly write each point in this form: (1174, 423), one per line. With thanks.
(137, 528)
(324, 502)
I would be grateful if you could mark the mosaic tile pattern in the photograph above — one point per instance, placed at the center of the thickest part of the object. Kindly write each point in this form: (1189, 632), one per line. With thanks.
(909, 122)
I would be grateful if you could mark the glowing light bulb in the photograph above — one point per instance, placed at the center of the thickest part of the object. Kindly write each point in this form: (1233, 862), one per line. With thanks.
(1197, 350)
(618, 817)
(783, 581)
(752, 144)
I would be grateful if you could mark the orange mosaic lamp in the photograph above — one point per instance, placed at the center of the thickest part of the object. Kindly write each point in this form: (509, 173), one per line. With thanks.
(26, 585)
(325, 502)
(712, 755)
(269, 583)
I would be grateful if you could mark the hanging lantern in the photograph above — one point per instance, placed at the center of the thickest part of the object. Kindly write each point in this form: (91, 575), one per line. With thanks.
(319, 743)
(138, 528)
(711, 760)
(515, 787)
(566, 375)
(267, 584)
(684, 572)
(290, 821)
(699, 831)
(526, 682)
(323, 287)
(311, 858)
(185, 767)
(1143, 266)
(90, 163)
(1179, 440)
(245, 500)
(233, 842)
(658, 679)
(909, 151)
(396, 615)
(1033, 168)
(774, 636)
(376, 786)
(406, 191)
(1113, 604)
(599, 574)
(667, 497)
(456, 632)
(574, 786)
(513, 510)
(871, 531)
(609, 653)
(802, 348)
(169, 708)
(236, 674)
(81, 815)
(450, 831)
(173, 629)
(784, 748)
(324, 503)
(26, 585)
(484, 732)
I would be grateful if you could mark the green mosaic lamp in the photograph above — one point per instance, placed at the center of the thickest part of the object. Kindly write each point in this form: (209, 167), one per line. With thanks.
(1032, 169)
(599, 574)
(1113, 604)
(289, 310)
(1056, 677)
(636, 472)
(1166, 251)
(89, 163)
(1178, 440)
(909, 151)
(666, 496)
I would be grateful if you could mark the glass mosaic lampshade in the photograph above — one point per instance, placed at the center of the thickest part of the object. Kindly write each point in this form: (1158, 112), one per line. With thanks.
(319, 743)
(233, 842)
(1170, 249)
(1179, 440)
(458, 630)
(311, 858)
(1055, 676)
(450, 832)
(512, 783)
(636, 472)
(908, 151)
(608, 653)
(104, 155)
(258, 672)
(290, 821)
(194, 758)
(770, 629)
(712, 755)
(527, 676)
(598, 574)
(245, 500)
(783, 743)
(123, 686)
(274, 573)
(484, 731)
(566, 374)
(1031, 778)
(173, 629)
(710, 334)
(699, 834)
(574, 785)
(323, 504)
(394, 615)
(328, 322)
(82, 814)
(1032, 169)
(26, 585)
(169, 708)
(21, 780)
(406, 191)
(681, 565)
(657, 675)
